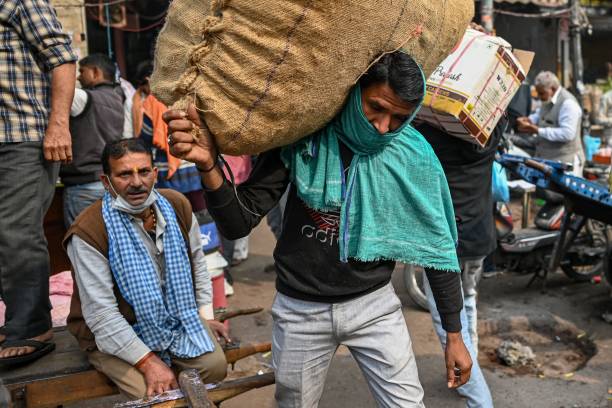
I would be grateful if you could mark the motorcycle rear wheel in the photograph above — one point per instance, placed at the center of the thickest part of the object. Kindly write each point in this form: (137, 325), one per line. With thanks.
(598, 237)
(608, 268)
(413, 280)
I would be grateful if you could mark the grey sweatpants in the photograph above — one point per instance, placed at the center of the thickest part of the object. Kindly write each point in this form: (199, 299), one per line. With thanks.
(306, 335)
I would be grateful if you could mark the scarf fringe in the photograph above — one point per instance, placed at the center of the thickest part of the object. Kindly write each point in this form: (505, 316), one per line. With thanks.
(421, 263)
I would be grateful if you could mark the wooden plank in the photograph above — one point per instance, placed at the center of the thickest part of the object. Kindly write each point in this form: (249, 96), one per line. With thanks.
(55, 392)
(229, 314)
(67, 358)
(181, 403)
(65, 376)
(226, 390)
(229, 389)
(235, 352)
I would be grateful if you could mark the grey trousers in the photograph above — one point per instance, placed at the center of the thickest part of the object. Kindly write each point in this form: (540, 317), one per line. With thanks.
(306, 335)
(27, 183)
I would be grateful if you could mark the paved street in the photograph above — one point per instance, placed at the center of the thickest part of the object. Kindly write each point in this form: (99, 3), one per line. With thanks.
(504, 295)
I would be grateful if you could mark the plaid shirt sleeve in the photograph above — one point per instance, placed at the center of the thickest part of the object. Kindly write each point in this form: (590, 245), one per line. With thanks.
(32, 43)
(36, 22)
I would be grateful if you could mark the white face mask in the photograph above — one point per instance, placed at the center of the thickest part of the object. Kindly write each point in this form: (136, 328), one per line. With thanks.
(121, 204)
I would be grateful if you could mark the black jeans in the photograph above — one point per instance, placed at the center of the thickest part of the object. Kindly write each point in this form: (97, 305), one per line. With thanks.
(27, 183)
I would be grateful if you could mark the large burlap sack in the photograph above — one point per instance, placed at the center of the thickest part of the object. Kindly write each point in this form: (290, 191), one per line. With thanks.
(265, 73)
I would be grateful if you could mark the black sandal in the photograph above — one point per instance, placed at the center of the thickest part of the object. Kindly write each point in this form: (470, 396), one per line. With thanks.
(41, 348)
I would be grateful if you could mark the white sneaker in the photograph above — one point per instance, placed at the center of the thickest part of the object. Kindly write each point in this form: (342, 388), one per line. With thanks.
(229, 290)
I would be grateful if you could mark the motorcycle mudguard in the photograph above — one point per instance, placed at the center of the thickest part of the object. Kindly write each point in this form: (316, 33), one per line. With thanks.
(528, 239)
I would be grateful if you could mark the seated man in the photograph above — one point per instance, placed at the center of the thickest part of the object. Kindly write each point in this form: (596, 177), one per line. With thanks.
(142, 308)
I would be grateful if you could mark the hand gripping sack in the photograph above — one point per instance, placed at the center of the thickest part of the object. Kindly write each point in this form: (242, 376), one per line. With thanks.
(265, 73)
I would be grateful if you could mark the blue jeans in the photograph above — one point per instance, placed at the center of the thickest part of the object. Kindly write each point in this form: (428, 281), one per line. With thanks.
(476, 391)
(79, 197)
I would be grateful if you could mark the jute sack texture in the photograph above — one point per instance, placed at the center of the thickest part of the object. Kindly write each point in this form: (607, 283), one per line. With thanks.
(265, 73)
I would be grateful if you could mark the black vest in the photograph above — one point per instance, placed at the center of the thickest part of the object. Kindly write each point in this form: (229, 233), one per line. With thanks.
(100, 122)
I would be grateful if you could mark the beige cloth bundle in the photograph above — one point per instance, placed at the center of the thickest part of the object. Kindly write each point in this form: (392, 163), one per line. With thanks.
(265, 73)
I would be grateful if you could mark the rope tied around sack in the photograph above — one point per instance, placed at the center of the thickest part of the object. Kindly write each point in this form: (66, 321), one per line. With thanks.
(217, 5)
(210, 27)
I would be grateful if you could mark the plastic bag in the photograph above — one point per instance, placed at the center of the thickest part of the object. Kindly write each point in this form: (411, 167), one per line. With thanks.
(499, 184)
(591, 145)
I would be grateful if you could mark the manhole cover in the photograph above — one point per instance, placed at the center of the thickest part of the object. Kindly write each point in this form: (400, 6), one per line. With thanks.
(560, 348)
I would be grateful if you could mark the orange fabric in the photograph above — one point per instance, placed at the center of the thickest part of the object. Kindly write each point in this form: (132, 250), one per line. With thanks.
(155, 109)
(137, 113)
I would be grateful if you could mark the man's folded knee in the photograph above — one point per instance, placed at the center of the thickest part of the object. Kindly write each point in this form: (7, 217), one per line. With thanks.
(218, 373)
(216, 367)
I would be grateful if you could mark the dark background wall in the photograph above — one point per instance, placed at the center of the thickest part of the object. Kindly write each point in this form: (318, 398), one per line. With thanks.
(597, 48)
(538, 35)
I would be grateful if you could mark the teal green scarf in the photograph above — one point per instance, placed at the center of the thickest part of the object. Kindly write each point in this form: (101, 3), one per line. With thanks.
(395, 203)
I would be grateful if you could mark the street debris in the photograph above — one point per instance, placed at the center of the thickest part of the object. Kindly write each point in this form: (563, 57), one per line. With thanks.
(515, 354)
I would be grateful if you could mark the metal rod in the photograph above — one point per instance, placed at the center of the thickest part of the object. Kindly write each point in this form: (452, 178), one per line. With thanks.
(526, 209)
(108, 31)
(486, 15)
(575, 30)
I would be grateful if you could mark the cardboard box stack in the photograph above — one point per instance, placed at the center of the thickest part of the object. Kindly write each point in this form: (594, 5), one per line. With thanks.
(469, 91)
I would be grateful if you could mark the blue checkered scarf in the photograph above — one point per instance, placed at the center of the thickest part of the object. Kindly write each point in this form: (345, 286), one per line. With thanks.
(166, 322)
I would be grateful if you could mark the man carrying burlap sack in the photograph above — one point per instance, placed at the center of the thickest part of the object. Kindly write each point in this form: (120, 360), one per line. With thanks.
(365, 191)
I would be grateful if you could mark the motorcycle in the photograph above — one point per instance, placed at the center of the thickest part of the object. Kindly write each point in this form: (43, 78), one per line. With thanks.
(584, 255)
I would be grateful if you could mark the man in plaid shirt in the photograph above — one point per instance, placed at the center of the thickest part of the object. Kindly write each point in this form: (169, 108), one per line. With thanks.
(37, 78)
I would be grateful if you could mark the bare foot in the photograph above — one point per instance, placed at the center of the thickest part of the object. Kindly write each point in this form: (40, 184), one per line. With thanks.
(20, 351)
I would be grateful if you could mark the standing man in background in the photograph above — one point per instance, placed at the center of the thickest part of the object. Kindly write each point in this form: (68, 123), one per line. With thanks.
(557, 123)
(96, 118)
(463, 163)
(37, 77)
